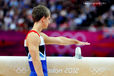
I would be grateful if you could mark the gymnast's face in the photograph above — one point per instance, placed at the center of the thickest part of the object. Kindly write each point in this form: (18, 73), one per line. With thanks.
(46, 21)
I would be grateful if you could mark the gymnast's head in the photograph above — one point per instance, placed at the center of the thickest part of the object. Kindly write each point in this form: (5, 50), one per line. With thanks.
(41, 14)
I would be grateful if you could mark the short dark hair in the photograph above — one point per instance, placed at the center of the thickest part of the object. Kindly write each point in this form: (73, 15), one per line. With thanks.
(40, 11)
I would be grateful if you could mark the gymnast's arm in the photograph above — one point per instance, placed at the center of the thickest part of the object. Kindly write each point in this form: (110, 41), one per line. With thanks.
(62, 40)
(33, 41)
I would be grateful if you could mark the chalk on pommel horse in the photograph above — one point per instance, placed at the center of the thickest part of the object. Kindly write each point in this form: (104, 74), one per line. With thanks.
(60, 66)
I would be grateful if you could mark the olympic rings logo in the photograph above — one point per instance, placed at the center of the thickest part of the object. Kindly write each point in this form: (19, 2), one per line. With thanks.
(18, 68)
(98, 71)
(70, 35)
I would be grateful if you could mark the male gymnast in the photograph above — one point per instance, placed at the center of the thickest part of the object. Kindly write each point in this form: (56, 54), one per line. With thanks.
(35, 41)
